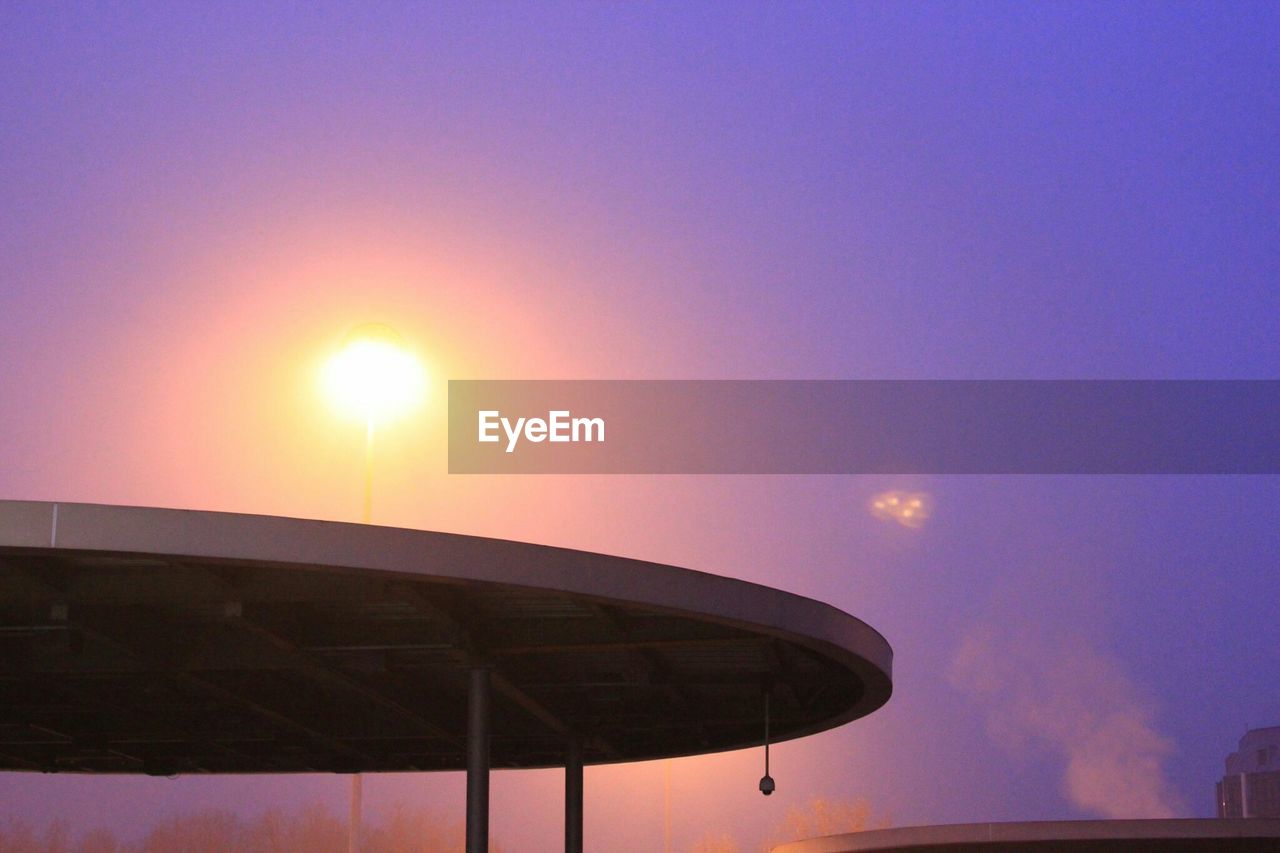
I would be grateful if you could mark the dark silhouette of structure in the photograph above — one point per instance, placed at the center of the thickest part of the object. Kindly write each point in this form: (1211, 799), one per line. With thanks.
(156, 641)
(1067, 836)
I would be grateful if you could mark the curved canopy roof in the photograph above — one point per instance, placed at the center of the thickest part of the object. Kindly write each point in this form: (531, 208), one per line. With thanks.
(1169, 835)
(161, 641)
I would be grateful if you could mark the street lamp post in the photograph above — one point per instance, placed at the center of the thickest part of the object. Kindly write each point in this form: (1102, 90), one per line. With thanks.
(373, 376)
(367, 515)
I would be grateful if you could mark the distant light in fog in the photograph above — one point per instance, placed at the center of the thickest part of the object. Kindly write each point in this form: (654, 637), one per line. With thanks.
(910, 509)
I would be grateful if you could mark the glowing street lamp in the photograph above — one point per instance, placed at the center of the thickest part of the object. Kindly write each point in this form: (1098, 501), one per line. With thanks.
(373, 377)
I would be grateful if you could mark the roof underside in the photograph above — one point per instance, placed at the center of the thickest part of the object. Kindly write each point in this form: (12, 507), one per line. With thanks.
(113, 663)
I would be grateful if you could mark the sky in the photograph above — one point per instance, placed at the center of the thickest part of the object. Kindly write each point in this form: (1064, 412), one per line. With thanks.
(200, 200)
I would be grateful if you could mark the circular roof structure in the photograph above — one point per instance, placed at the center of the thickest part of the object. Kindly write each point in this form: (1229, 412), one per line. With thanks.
(136, 640)
(1184, 835)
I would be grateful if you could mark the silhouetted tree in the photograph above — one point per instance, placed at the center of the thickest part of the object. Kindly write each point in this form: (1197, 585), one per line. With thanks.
(822, 816)
(201, 832)
(713, 843)
(312, 830)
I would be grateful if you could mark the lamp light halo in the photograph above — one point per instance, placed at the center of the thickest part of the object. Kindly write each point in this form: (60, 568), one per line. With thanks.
(373, 376)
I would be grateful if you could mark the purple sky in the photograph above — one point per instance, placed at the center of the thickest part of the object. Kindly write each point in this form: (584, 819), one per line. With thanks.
(198, 202)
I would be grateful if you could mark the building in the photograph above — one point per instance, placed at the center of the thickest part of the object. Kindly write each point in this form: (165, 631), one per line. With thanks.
(1251, 786)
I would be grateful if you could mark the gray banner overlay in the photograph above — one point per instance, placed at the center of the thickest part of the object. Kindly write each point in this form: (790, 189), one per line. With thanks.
(864, 427)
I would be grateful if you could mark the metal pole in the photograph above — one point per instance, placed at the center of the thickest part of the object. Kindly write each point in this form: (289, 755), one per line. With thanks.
(355, 818)
(478, 761)
(367, 516)
(355, 822)
(666, 806)
(573, 797)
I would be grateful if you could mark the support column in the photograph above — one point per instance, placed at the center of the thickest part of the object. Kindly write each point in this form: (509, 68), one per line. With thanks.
(573, 796)
(478, 701)
(355, 817)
